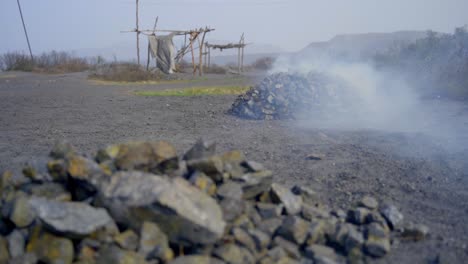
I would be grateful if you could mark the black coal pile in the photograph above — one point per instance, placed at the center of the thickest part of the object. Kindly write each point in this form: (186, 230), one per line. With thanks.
(285, 95)
(140, 202)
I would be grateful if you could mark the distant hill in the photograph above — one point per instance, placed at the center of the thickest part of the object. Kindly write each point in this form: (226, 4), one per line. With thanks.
(360, 46)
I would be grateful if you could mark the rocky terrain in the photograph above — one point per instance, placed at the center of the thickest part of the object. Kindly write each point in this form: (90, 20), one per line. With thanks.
(139, 202)
(285, 96)
(425, 178)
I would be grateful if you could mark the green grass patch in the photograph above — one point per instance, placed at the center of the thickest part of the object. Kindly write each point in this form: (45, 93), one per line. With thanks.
(97, 81)
(194, 91)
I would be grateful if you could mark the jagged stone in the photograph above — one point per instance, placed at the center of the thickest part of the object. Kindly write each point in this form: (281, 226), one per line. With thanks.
(392, 215)
(156, 157)
(252, 212)
(276, 253)
(57, 169)
(316, 232)
(321, 254)
(255, 183)
(28, 258)
(203, 182)
(369, 202)
(267, 210)
(234, 254)
(36, 171)
(211, 166)
(201, 149)
(154, 243)
(309, 196)
(85, 174)
(377, 247)
(50, 190)
(52, 249)
(4, 253)
(261, 239)
(291, 249)
(358, 216)
(232, 208)
(243, 238)
(127, 240)
(243, 221)
(70, 218)
(341, 214)
(377, 230)
(340, 234)
(376, 217)
(16, 243)
(354, 239)
(87, 254)
(196, 259)
(113, 254)
(311, 212)
(6, 182)
(270, 226)
(182, 211)
(231, 190)
(294, 229)
(22, 214)
(280, 194)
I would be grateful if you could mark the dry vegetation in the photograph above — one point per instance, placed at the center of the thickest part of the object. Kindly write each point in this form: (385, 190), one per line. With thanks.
(51, 62)
(124, 72)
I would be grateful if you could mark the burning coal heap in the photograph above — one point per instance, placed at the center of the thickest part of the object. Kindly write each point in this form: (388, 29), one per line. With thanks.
(285, 95)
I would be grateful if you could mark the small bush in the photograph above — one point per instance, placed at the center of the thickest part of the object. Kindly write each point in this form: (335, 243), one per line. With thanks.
(264, 63)
(123, 72)
(216, 69)
(15, 61)
(51, 62)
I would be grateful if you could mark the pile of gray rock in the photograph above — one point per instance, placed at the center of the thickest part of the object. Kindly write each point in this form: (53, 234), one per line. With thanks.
(140, 202)
(285, 95)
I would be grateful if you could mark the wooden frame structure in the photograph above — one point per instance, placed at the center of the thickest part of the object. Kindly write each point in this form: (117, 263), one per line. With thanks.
(240, 53)
(194, 35)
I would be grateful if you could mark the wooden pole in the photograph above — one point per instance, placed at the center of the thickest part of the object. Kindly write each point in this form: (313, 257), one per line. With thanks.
(209, 57)
(242, 56)
(155, 24)
(206, 56)
(25, 31)
(137, 33)
(201, 54)
(192, 38)
(148, 61)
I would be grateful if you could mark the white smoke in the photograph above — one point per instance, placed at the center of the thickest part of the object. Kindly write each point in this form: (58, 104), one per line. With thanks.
(372, 99)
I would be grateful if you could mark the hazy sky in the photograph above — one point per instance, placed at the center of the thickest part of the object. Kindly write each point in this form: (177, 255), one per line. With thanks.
(288, 24)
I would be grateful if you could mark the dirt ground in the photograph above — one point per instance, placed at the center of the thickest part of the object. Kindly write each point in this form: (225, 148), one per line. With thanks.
(427, 181)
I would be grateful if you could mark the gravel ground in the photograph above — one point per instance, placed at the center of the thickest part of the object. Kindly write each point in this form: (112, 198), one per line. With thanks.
(420, 175)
